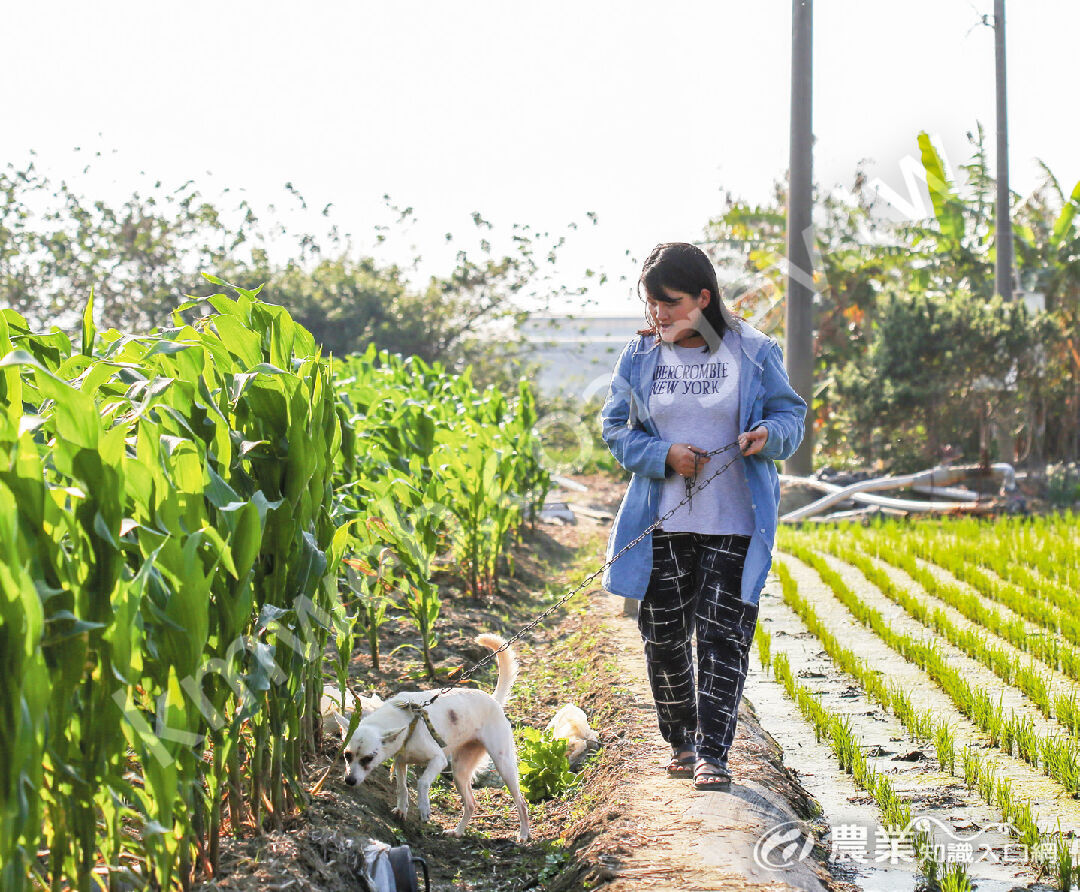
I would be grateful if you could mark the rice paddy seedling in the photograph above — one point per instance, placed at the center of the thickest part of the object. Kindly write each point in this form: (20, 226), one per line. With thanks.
(901, 706)
(1027, 829)
(999, 728)
(764, 641)
(1003, 796)
(1067, 712)
(1063, 763)
(924, 725)
(930, 867)
(782, 672)
(843, 743)
(1009, 730)
(945, 746)
(1036, 687)
(1027, 741)
(1066, 869)
(971, 762)
(987, 774)
(895, 812)
(955, 878)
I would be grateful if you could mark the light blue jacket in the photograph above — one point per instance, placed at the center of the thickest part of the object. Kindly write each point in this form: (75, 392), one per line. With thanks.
(765, 398)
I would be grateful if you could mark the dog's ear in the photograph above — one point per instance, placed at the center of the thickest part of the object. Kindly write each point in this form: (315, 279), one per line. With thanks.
(343, 724)
(389, 737)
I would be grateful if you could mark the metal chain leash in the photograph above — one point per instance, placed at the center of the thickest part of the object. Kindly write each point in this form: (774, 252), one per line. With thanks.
(690, 481)
(691, 488)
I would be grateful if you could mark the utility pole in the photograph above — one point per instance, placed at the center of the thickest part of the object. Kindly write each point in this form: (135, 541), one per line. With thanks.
(1003, 283)
(799, 349)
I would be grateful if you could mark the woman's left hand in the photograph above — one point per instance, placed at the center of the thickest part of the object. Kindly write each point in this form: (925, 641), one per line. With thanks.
(752, 442)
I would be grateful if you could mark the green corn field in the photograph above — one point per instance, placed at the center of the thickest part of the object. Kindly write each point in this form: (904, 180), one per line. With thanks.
(175, 511)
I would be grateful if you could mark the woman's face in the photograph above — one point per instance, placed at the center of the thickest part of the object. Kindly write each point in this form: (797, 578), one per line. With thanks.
(677, 315)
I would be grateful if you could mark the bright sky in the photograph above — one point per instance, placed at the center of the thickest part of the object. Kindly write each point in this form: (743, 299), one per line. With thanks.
(643, 113)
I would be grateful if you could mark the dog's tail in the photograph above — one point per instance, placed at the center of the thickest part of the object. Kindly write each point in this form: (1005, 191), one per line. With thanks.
(508, 666)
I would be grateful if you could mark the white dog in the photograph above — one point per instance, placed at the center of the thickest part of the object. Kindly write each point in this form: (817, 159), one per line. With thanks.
(470, 722)
(332, 707)
(572, 725)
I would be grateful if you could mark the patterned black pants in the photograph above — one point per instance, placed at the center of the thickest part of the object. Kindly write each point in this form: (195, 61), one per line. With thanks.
(695, 588)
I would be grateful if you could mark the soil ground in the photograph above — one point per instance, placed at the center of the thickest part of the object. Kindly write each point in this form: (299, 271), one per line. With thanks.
(626, 825)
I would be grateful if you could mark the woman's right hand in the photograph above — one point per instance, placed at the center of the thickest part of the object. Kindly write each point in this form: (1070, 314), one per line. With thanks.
(680, 459)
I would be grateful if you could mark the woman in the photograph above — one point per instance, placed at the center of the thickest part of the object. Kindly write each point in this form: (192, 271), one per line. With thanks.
(694, 380)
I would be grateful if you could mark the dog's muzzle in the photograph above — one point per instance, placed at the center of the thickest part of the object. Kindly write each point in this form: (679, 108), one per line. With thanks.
(350, 780)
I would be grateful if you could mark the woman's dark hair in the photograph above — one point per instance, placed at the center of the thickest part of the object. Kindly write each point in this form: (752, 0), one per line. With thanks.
(679, 266)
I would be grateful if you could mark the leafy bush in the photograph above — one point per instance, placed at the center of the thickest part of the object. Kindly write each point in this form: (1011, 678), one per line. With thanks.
(1063, 484)
(544, 766)
(939, 369)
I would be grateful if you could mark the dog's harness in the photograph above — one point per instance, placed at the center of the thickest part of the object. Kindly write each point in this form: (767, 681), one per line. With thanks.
(419, 711)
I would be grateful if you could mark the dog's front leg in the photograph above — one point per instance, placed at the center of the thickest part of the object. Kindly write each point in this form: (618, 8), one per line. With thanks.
(423, 785)
(401, 770)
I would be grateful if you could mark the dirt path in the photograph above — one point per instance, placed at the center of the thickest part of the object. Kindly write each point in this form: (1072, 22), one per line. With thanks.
(661, 833)
(689, 840)
(628, 826)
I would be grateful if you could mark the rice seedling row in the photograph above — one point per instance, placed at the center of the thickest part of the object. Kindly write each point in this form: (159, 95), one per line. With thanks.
(1028, 567)
(1032, 573)
(1034, 685)
(921, 724)
(1056, 756)
(1049, 544)
(1045, 571)
(1050, 609)
(849, 752)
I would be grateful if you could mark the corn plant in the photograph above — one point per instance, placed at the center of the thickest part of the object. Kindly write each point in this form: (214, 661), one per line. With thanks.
(172, 494)
(369, 583)
(174, 509)
(469, 460)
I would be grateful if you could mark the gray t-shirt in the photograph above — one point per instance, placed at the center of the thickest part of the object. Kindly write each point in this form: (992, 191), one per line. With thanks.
(695, 400)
